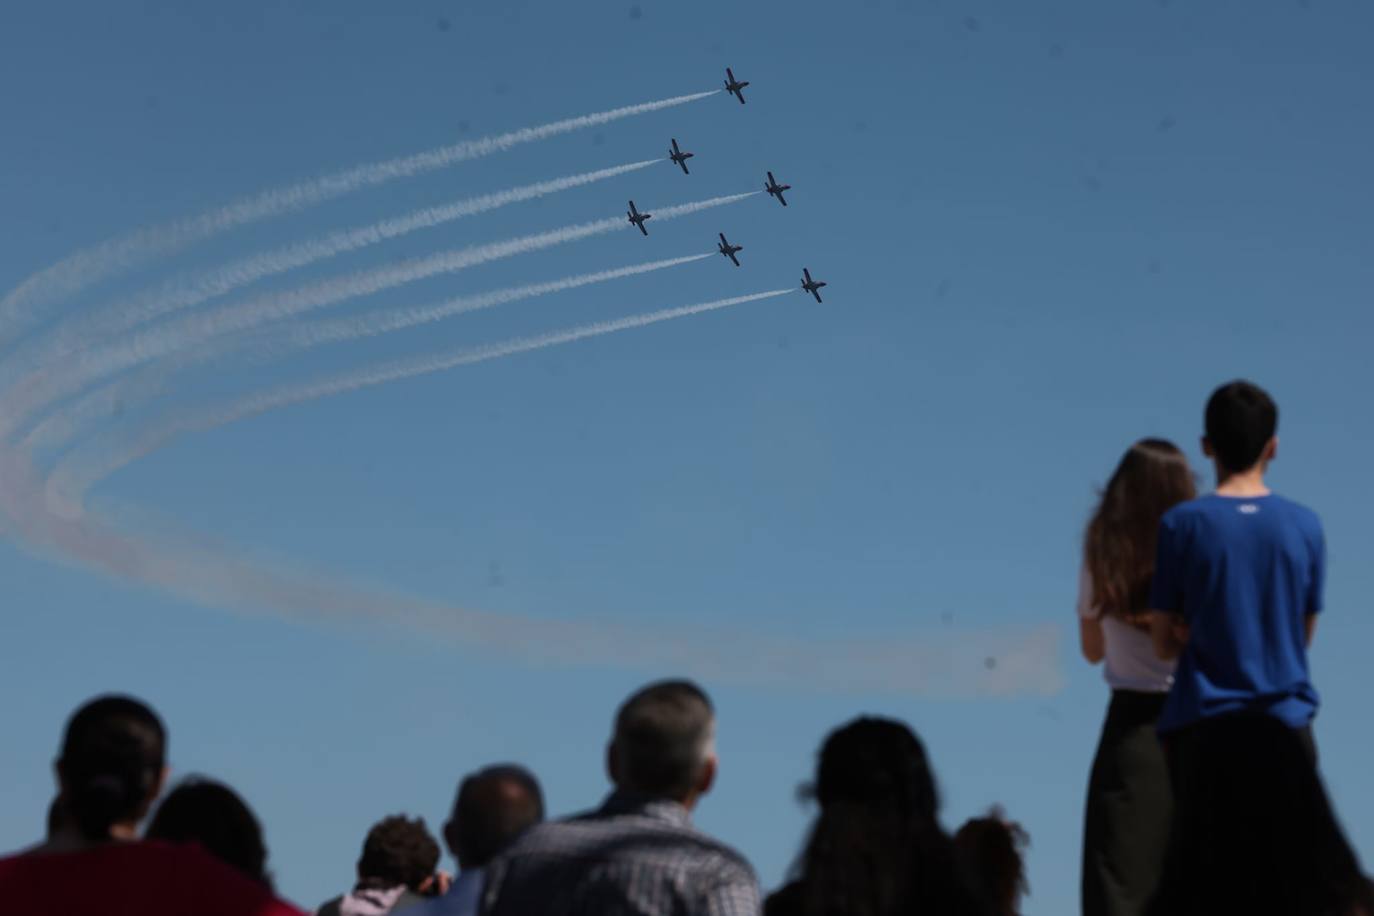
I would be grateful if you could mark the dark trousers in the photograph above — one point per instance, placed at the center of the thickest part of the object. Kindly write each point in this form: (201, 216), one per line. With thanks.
(1129, 811)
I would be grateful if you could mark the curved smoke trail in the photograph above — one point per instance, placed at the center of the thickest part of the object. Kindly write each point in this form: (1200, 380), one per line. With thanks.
(88, 266)
(82, 469)
(121, 393)
(45, 386)
(175, 295)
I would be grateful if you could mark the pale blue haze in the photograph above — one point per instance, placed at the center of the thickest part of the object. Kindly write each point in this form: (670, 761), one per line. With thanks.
(1048, 229)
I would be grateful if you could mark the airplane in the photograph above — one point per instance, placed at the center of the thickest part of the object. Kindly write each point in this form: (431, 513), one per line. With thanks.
(811, 286)
(638, 218)
(772, 187)
(734, 86)
(729, 250)
(680, 157)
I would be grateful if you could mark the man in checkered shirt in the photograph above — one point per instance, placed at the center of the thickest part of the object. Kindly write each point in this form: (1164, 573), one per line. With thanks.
(638, 854)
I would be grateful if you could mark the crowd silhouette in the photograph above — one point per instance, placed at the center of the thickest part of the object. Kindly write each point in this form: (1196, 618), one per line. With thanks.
(1204, 797)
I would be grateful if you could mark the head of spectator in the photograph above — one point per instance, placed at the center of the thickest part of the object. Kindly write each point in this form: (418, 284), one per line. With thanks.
(213, 816)
(399, 852)
(991, 850)
(111, 769)
(877, 848)
(664, 743)
(1260, 835)
(395, 870)
(1119, 548)
(493, 807)
(1241, 425)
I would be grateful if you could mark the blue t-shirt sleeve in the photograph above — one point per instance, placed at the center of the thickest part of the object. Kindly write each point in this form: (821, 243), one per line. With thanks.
(1166, 587)
(1318, 576)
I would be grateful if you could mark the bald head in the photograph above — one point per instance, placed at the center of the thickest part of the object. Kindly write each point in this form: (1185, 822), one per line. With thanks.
(664, 742)
(493, 807)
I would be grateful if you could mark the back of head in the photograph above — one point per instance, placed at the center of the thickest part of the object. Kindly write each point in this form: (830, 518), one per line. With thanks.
(877, 847)
(214, 816)
(1240, 420)
(111, 764)
(493, 807)
(1262, 837)
(398, 851)
(663, 738)
(1119, 546)
(990, 849)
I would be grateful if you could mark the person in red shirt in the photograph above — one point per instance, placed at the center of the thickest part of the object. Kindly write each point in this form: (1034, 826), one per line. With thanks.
(111, 769)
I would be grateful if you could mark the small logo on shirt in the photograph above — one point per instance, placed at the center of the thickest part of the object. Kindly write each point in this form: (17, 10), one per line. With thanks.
(1248, 508)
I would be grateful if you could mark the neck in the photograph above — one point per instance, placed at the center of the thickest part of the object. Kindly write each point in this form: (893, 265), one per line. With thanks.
(1242, 483)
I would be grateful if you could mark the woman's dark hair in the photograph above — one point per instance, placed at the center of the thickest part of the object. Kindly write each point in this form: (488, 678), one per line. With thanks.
(1254, 831)
(991, 849)
(1119, 546)
(877, 847)
(111, 763)
(213, 816)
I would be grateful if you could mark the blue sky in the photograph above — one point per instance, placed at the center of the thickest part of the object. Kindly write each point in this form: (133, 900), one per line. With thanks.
(1049, 229)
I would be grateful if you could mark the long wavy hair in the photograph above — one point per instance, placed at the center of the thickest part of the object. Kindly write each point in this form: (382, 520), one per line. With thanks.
(1119, 545)
(877, 848)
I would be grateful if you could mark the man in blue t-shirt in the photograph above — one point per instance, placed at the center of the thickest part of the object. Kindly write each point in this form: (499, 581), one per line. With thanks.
(1238, 580)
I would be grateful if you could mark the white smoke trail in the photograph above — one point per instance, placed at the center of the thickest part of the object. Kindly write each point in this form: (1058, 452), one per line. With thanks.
(182, 293)
(83, 268)
(86, 466)
(945, 663)
(121, 393)
(47, 385)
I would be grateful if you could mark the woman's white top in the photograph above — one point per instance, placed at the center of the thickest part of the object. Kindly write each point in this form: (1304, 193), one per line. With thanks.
(1131, 663)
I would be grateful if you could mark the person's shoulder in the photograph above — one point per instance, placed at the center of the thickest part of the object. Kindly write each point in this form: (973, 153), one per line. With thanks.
(1187, 512)
(1299, 513)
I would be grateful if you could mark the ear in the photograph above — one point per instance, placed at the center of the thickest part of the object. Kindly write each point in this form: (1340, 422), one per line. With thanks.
(160, 784)
(1271, 451)
(708, 775)
(1207, 448)
(612, 764)
(451, 838)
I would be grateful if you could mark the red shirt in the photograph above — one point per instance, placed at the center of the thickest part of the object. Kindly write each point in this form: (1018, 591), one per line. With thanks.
(131, 879)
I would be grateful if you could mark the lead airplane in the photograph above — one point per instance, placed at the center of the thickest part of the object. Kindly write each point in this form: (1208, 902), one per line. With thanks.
(680, 157)
(734, 86)
(729, 250)
(812, 286)
(772, 187)
(638, 218)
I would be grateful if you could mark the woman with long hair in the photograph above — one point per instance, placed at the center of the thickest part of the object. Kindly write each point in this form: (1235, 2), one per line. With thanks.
(1129, 800)
(877, 848)
(110, 771)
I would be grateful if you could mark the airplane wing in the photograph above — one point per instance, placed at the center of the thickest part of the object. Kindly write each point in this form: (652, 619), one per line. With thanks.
(683, 162)
(722, 239)
(734, 259)
(782, 200)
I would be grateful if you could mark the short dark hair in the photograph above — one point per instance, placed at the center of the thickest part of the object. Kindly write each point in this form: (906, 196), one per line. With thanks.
(1241, 418)
(991, 849)
(213, 815)
(398, 850)
(111, 762)
(662, 734)
(494, 806)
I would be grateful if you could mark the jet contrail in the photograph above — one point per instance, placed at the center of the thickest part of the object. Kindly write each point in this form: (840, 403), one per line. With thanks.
(90, 265)
(44, 386)
(80, 470)
(945, 663)
(117, 395)
(77, 331)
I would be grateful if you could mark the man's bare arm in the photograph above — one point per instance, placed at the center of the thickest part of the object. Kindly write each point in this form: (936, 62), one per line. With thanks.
(1169, 633)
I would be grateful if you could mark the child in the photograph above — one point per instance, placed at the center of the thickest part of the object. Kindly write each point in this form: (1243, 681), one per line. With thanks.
(1237, 583)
